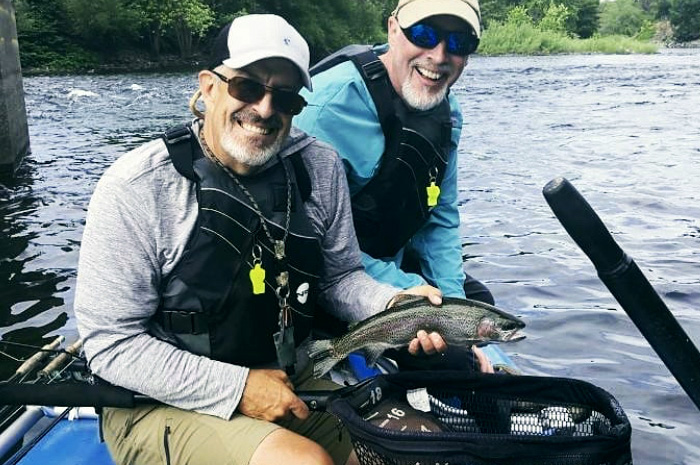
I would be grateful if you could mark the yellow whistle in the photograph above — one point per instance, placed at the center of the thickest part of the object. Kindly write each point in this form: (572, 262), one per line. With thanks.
(257, 277)
(433, 194)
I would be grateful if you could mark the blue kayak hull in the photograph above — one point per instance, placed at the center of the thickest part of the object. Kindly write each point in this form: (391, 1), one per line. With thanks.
(74, 442)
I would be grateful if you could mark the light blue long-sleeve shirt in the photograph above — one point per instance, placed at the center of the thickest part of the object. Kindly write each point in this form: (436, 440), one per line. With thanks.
(341, 112)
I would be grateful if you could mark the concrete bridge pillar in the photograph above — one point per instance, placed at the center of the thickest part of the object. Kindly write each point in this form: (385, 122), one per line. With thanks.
(14, 133)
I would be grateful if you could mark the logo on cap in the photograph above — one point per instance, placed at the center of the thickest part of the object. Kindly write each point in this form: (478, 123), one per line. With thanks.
(287, 40)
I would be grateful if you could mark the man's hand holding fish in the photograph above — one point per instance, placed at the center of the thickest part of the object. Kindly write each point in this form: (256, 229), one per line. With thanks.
(432, 343)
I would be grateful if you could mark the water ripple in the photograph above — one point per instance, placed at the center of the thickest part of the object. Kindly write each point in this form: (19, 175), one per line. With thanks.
(623, 129)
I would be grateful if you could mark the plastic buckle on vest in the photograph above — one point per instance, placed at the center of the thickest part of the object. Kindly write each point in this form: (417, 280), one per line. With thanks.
(179, 322)
(176, 135)
(374, 69)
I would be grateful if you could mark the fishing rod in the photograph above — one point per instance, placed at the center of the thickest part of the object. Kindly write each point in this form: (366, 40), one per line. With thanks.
(71, 394)
(50, 388)
(90, 391)
(25, 370)
(32, 362)
(18, 418)
(87, 391)
(100, 393)
(61, 361)
(627, 284)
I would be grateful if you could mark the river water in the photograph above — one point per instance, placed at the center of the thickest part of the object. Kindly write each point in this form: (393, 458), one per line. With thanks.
(625, 130)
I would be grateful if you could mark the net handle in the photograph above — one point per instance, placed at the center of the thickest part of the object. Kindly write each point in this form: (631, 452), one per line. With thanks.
(627, 284)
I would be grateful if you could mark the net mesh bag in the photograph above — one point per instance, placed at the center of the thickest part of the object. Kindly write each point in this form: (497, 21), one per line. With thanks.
(458, 418)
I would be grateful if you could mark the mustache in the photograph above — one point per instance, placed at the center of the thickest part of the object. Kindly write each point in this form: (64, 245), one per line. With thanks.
(446, 68)
(249, 116)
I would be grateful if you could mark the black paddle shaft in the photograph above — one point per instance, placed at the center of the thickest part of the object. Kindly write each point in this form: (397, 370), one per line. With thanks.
(82, 394)
(627, 284)
(70, 394)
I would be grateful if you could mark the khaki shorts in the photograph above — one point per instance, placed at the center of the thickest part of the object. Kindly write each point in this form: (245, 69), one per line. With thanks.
(167, 435)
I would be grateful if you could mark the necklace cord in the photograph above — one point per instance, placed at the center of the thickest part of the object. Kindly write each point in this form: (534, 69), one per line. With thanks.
(251, 199)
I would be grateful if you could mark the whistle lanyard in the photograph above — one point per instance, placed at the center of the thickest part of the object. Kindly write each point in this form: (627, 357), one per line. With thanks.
(284, 338)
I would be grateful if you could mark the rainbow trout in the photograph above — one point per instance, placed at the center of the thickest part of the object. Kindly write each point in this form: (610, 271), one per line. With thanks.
(458, 321)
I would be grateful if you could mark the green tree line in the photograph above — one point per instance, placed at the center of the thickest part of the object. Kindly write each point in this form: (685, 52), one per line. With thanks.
(78, 34)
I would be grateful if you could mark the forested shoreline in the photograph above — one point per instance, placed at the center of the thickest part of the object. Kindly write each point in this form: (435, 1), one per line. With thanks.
(140, 35)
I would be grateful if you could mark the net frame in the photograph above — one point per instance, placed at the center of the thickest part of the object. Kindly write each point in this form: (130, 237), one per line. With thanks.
(607, 445)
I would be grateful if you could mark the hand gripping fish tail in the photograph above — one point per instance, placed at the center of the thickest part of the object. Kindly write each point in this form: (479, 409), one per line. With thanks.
(461, 322)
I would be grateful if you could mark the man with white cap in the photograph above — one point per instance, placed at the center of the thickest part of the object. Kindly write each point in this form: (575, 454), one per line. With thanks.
(202, 259)
(388, 112)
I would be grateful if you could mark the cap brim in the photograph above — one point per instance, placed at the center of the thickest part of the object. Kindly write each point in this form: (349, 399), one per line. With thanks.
(242, 60)
(414, 12)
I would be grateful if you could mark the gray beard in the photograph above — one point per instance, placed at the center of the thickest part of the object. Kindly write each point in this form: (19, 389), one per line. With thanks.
(421, 101)
(253, 157)
(250, 157)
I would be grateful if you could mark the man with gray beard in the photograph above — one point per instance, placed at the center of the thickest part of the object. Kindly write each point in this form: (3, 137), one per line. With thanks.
(202, 260)
(388, 112)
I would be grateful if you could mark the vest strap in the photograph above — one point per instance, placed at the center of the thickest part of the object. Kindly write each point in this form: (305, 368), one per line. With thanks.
(375, 77)
(302, 176)
(372, 67)
(179, 141)
(179, 322)
(374, 74)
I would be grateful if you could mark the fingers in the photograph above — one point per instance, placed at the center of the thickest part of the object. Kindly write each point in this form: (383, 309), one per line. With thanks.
(432, 293)
(485, 365)
(282, 376)
(269, 395)
(414, 346)
(434, 343)
(435, 297)
(299, 409)
(428, 343)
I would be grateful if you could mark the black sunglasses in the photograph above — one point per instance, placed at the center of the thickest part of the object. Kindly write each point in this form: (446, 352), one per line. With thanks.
(250, 91)
(426, 36)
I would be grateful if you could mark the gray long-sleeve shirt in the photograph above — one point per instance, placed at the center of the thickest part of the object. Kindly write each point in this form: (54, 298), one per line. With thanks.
(139, 221)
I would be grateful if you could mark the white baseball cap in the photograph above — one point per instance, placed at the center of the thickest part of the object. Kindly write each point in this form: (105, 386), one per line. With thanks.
(252, 38)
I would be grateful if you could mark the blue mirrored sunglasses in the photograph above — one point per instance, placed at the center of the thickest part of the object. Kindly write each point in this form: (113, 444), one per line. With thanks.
(426, 36)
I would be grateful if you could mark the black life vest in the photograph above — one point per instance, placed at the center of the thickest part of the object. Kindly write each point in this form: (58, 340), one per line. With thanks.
(393, 205)
(207, 303)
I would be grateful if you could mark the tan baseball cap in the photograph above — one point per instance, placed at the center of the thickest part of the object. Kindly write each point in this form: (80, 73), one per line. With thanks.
(409, 12)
